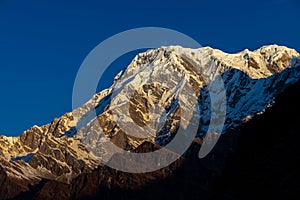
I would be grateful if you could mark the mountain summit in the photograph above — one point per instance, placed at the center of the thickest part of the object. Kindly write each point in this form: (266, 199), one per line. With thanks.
(142, 111)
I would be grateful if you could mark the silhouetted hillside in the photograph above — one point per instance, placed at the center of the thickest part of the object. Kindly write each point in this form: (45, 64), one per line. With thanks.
(267, 161)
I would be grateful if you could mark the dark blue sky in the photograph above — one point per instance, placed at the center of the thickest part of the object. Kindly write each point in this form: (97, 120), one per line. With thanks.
(43, 42)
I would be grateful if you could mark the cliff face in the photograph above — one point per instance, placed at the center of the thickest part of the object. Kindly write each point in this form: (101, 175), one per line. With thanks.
(59, 161)
(263, 165)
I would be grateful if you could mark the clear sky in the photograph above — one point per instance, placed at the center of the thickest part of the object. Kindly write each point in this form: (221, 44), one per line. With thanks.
(43, 42)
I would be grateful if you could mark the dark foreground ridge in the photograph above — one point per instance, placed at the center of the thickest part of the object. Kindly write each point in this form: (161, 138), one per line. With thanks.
(266, 163)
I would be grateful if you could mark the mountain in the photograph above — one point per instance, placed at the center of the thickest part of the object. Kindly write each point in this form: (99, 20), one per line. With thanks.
(160, 91)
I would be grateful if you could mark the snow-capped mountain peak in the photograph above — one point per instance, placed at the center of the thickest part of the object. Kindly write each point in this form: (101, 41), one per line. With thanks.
(146, 103)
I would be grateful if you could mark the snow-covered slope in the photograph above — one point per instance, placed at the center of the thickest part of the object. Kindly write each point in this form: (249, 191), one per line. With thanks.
(152, 93)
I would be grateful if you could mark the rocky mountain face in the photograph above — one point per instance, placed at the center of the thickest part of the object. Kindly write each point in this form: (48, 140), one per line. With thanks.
(263, 165)
(63, 159)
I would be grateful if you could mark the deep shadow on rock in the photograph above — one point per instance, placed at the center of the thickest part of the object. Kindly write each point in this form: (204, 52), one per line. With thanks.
(266, 163)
